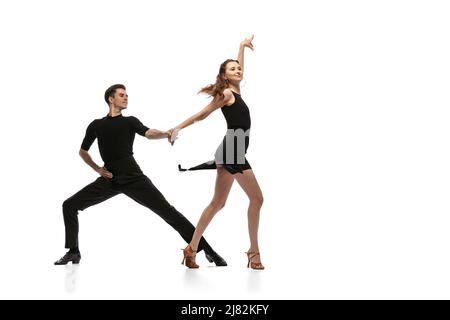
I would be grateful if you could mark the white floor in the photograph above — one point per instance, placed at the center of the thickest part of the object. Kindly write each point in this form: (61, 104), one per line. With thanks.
(286, 279)
(312, 269)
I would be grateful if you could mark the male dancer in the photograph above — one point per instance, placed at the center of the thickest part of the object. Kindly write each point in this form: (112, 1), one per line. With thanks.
(121, 174)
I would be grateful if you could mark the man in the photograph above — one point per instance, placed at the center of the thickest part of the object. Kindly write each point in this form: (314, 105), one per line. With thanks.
(121, 174)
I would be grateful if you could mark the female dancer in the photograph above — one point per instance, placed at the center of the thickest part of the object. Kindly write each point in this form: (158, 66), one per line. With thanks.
(230, 165)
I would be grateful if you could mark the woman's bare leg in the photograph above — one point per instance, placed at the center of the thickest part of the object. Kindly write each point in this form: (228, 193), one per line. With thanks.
(224, 181)
(248, 182)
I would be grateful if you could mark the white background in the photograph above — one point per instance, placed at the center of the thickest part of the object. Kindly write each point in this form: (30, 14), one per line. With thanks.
(350, 143)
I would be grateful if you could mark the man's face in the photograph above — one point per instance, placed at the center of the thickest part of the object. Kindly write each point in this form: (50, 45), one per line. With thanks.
(120, 99)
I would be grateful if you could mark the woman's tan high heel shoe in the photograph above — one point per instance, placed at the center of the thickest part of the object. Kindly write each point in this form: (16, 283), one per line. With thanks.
(254, 265)
(189, 257)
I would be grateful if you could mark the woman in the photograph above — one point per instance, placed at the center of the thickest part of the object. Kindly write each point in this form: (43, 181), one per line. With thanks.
(230, 165)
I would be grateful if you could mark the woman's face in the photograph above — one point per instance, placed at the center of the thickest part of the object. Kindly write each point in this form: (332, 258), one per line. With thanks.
(233, 72)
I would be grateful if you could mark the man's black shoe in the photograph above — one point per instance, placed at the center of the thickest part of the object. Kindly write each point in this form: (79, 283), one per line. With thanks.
(213, 256)
(74, 257)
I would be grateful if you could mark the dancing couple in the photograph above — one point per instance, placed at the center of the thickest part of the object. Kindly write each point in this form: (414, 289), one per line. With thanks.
(121, 173)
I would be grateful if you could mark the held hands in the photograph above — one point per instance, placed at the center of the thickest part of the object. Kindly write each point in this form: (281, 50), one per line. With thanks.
(172, 135)
(248, 42)
(104, 173)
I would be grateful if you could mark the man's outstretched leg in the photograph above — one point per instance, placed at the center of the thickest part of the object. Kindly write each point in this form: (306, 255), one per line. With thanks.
(145, 193)
(94, 193)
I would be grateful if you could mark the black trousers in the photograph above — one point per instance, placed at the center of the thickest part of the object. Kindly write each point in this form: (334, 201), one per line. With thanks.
(135, 185)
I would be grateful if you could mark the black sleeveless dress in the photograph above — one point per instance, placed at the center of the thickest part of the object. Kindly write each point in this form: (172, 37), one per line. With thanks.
(231, 152)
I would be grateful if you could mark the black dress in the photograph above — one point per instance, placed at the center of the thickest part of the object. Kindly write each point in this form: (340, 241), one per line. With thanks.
(231, 152)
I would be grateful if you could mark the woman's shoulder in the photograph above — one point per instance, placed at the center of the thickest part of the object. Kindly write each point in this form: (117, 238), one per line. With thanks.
(228, 97)
(227, 92)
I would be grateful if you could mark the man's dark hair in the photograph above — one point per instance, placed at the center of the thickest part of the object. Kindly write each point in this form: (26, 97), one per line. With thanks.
(112, 90)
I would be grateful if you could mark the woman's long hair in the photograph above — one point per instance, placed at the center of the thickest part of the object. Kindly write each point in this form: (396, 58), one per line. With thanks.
(221, 84)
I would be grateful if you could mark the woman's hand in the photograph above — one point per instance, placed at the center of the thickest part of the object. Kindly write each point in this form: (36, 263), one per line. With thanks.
(248, 42)
(172, 135)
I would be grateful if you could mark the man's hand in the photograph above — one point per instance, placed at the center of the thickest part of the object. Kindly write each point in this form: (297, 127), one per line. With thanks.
(172, 135)
(104, 173)
(169, 135)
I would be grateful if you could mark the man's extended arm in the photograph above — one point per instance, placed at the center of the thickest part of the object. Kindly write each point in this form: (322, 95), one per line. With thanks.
(156, 134)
